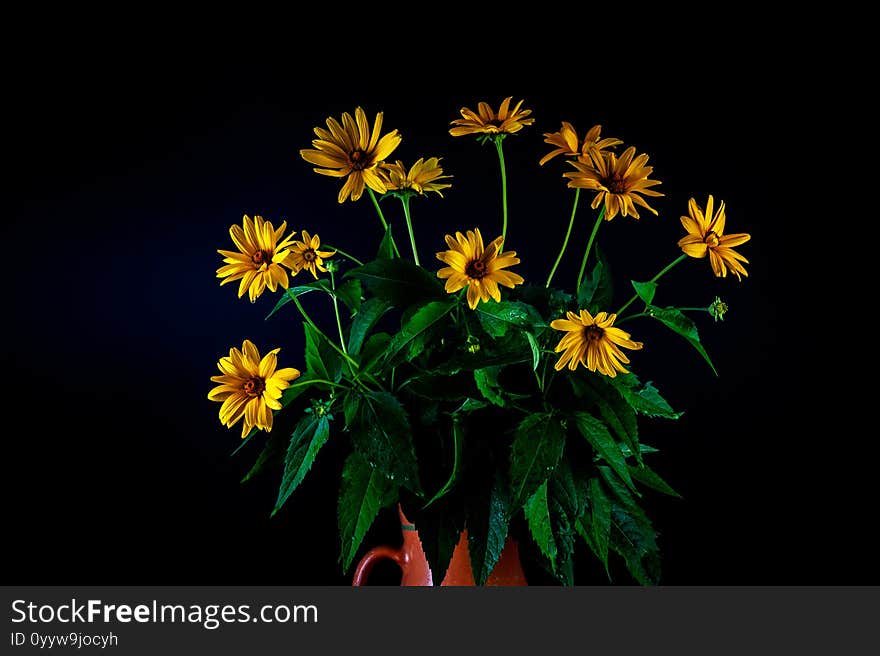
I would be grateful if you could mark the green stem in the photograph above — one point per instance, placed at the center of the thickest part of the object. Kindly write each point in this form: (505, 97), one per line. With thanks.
(577, 195)
(500, 150)
(344, 254)
(633, 316)
(317, 381)
(702, 309)
(336, 311)
(412, 238)
(382, 218)
(589, 247)
(308, 319)
(665, 270)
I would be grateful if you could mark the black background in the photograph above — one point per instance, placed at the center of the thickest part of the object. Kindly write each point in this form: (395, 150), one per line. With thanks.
(125, 173)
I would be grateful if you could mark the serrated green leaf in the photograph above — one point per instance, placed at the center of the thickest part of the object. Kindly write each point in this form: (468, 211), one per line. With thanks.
(487, 382)
(600, 522)
(536, 351)
(322, 360)
(595, 291)
(398, 282)
(290, 293)
(373, 350)
(645, 290)
(497, 318)
(537, 514)
(308, 437)
(616, 412)
(487, 521)
(649, 477)
(350, 293)
(381, 433)
(537, 447)
(386, 246)
(676, 321)
(440, 531)
(422, 321)
(366, 318)
(598, 436)
(636, 542)
(644, 399)
(469, 405)
(364, 490)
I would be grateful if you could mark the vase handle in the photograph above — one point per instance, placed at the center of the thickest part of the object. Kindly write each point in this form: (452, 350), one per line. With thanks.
(362, 572)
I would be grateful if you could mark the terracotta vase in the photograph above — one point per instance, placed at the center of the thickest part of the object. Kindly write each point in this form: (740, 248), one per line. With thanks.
(410, 557)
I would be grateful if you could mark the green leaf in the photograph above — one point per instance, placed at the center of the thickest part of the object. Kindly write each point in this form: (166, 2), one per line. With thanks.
(439, 387)
(487, 522)
(364, 490)
(496, 318)
(645, 400)
(398, 282)
(407, 341)
(374, 350)
(350, 293)
(366, 318)
(469, 405)
(676, 321)
(649, 477)
(322, 360)
(382, 434)
(600, 520)
(598, 436)
(456, 445)
(487, 382)
(439, 532)
(536, 351)
(271, 450)
(595, 291)
(616, 412)
(308, 437)
(636, 542)
(290, 293)
(386, 247)
(537, 447)
(537, 515)
(645, 290)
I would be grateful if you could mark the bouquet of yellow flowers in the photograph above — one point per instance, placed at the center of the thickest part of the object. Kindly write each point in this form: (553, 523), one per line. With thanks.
(472, 397)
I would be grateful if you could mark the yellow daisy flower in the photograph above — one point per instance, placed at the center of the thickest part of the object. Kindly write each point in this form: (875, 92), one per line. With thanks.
(486, 121)
(305, 255)
(706, 235)
(479, 269)
(250, 387)
(422, 177)
(593, 342)
(350, 150)
(567, 143)
(618, 181)
(258, 262)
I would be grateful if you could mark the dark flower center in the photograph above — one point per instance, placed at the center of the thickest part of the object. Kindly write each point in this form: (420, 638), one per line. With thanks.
(254, 386)
(358, 160)
(711, 239)
(475, 269)
(593, 333)
(616, 183)
(309, 255)
(261, 257)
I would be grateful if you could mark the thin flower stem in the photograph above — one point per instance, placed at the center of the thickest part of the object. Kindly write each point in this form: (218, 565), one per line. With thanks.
(702, 309)
(382, 219)
(412, 238)
(336, 311)
(589, 248)
(500, 150)
(577, 195)
(317, 381)
(665, 270)
(308, 319)
(633, 316)
(344, 254)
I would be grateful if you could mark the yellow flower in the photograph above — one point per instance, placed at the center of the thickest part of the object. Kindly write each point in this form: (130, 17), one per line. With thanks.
(477, 268)
(250, 387)
(567, 143)
(305, 255)
(258, 262)
(593, 342)
(487, 121)
(422, 177)
(706, 235)
(618, 181)
(351, 150)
